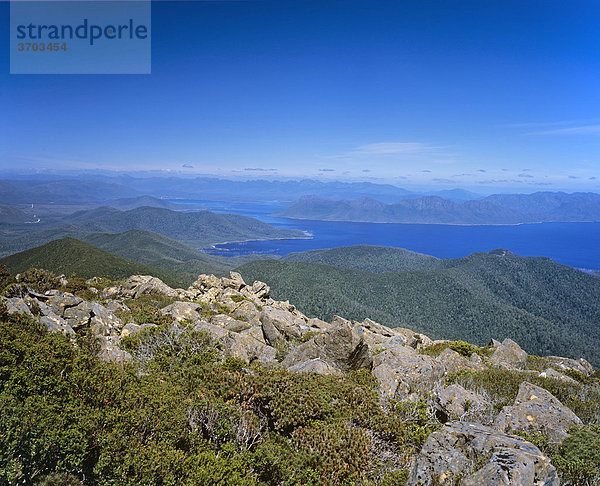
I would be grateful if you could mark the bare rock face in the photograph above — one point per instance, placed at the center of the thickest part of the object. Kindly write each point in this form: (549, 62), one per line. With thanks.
(316, 365)
(454, 362)
(229, 323)
(103, 321)
(59, 301)
(16, 305)
(556, 375)
(181, 311)
(480, 456)
(566, 364)
(402, 370)
(457, 403)
(340, 346)
(78, 316)
(537, 410)
(245, 347)
(509, 355)
(376, 335)
(280, 325)
(137, 285)
(110, 350)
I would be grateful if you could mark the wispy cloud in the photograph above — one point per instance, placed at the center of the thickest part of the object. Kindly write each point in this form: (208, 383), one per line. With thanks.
(567, 127)
(259, 169)
(390, 149)
(577, 130)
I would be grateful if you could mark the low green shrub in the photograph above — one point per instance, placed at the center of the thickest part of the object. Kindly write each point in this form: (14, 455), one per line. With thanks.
(39, 280)
(461, 347)
(578, 457)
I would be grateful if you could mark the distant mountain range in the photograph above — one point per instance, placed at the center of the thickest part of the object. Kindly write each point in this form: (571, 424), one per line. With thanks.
(495, 209)
(125, 192)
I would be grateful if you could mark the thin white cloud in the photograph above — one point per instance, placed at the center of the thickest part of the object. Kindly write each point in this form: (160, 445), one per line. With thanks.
(579, 130)
(392, 148)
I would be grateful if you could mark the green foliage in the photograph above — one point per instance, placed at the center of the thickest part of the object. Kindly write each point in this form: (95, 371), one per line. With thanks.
(549, 309)
(145, 309)
(6, 278)
(578, 458)
(461, 347)
(367, 258)
(180, 415)
(69, 256)
(536, 363)
(39, 279)
(539, 440)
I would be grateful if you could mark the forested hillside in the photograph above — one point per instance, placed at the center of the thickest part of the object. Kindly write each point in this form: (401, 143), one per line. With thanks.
(69, 256)
(375, 259)
(197, 229)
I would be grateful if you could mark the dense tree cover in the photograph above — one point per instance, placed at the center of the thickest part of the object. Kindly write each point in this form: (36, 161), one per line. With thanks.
(547, 308)
(69, 256)
(159, 251)
(375, 259)
(180, 414)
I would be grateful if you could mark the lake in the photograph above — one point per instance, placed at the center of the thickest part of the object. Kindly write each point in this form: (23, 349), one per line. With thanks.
(574, 244)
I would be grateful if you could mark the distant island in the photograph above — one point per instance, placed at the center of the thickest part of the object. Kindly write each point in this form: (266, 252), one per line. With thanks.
(494, 209)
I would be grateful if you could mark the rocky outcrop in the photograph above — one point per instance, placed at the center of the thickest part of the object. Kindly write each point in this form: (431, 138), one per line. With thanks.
(454, 362)
(480, 456)
(456, 403)
(340, 346)
(280, 326)
(137, 285)
(537, 410)
(509, 355)
(401, 370)
(568, 364)
(552, 373)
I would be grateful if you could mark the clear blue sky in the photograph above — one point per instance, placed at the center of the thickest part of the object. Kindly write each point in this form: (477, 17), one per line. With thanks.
(480, 94)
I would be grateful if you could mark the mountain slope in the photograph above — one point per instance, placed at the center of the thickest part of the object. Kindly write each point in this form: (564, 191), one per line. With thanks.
(157, 250)
(429, 209)
(374, 259)
(70, 256)
(548, 308)
(197, 229)
(128, 203)
(201, 228)
(10, 215)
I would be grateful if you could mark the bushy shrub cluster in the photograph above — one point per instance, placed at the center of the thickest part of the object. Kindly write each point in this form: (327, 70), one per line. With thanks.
(461, 347)
(188, 417)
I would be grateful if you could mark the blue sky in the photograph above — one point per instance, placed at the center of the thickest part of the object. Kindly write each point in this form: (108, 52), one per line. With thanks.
(489, 95)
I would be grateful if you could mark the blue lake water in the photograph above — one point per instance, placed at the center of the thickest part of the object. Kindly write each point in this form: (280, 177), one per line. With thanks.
(574, 244)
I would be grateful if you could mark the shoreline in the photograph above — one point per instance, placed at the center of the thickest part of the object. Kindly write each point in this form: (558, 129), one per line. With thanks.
(214, 245)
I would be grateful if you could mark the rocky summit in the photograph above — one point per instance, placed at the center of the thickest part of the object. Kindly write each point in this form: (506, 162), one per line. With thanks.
(494, 414)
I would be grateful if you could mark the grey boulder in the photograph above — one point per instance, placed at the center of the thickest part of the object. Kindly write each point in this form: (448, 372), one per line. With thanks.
(479, 455)
(537, 410)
